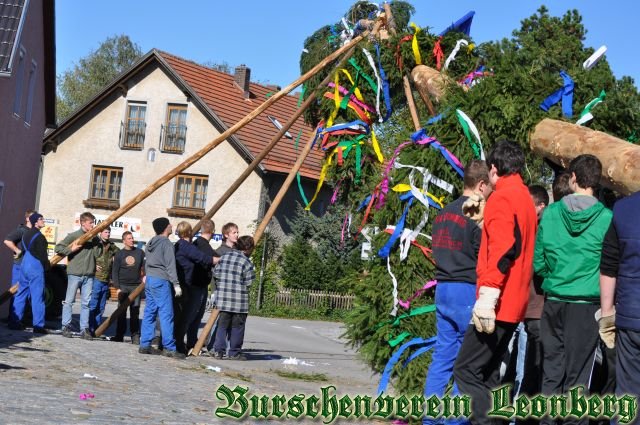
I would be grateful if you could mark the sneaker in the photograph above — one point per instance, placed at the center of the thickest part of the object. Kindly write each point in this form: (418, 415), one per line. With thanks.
(66, 332)
(148, 350)
(135, 339)
(16, 326)
(86, 334)
(219, 355)
(238, 356)
(174, 354)
(39, 330)
(117, 339)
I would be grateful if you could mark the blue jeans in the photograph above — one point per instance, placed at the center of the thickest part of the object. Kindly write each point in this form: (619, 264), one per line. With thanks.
(85, 283)
(159, 305)
(454, 303)
(31, 287)
(99, 296)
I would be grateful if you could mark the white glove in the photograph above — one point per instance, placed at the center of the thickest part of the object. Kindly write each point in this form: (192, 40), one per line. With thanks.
(607, 328)
(177, 289)
(484, 313)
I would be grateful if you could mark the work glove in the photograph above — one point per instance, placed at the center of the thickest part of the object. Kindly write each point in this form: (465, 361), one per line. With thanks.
(473, 208)
(484, 313)
(177, 289)
(17, 255)
(607, 328)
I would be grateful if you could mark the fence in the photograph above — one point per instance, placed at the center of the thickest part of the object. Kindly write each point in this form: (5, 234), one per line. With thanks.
(313, 299)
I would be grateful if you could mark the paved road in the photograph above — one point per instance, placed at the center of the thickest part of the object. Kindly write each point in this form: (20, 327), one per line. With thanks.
(41, 376)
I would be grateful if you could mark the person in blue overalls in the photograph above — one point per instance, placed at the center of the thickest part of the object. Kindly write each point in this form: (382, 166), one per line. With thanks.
(34, 263)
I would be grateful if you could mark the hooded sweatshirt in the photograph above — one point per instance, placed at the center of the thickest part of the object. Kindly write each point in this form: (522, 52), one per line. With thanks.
(568, 248)
(160, 259)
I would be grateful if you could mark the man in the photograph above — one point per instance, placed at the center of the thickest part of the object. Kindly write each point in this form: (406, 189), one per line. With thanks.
(619, 317)
(127, 274)
(105, 250)
(456, 240)
(504, 273)
(202, 277)
(12, 241)
(34, 263)
(161, 276)
(81, 269)
(567, 256)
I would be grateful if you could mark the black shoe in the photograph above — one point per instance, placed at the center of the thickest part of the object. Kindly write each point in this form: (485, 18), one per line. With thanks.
(117, 339)
(174, 354)
(135, 339)
(39, 330)
(149, 350)
(86, 334)
(217, 355)
(66, 332)
(238, 356)
(16, 326)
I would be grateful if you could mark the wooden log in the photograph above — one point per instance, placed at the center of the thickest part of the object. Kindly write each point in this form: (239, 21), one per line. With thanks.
(122, 308)
(205, 333)
(8, 293)
(211, 145)
(247, 172)
(561, 141)
(431, 80)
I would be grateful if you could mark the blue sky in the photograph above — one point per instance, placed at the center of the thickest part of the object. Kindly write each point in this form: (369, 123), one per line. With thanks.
(268, 36)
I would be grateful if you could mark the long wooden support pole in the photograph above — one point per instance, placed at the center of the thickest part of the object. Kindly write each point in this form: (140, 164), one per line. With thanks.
(206, 149)
(122, 308)
(254, 164)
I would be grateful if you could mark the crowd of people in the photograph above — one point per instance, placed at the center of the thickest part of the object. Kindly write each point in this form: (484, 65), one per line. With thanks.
(528, 291)
(177, 278)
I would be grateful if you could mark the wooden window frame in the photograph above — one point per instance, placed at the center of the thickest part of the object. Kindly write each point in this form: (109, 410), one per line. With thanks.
(124, 133)
(188, 211)
(104, 203)
(166, 129)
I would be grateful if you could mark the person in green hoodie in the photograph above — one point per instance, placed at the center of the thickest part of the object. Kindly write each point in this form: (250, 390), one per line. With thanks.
(104, 251)
(567, 257)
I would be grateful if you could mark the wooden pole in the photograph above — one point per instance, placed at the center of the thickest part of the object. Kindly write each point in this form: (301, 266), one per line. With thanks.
(247, 172)
(405, 79)
(9, 293)
(207, 148)
(122, 308)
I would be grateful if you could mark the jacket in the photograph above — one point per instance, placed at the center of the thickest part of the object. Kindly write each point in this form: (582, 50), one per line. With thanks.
(83, 261)
(568, 248)
(104, 253)
(187, 255)
(506, 249)
(160, 259)
(202, 275)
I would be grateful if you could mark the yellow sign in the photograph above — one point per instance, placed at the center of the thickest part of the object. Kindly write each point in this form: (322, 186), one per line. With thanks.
(50, 233)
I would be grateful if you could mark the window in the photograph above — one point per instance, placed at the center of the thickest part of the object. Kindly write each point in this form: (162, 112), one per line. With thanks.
(105, 188)
(17, 101)
(31, 92)
(189, 196)
(174, 131)
(132, 131)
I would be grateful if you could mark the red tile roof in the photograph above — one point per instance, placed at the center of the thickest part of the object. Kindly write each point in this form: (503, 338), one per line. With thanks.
(226, 99)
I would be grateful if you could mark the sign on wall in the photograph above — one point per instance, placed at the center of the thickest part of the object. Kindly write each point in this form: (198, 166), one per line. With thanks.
(118, 227)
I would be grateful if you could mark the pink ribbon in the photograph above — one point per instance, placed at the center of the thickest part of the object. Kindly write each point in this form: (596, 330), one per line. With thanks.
(419, 292)
(353, 98)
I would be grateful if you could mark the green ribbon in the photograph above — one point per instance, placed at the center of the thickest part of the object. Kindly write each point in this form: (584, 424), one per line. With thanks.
(397, 340)
(370, 80)
(346, 146)
(304, 198)
(465, 128)
(633, 138)
(304, 89)
(429, 308)
(594, 102)
(347, 97)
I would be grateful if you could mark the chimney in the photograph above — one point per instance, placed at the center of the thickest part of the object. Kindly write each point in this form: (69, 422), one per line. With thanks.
(242, 77)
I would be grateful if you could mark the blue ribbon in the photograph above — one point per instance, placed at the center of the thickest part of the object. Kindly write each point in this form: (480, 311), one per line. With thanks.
(422, 133)
(386, 375)
(343, 126)
(410, 196)
(386, 249)
(364, 203)
(565, 94)
(385, 86)
(430, 343)
(435, 119)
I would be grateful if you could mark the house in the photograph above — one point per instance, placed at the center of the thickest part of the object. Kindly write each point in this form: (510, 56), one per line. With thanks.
(148, 121)
(27, 90)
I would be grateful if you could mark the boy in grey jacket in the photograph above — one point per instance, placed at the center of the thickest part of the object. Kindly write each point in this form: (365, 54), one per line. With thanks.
(81, 269)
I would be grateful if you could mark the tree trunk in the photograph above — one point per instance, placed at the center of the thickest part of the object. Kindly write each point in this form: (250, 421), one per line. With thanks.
(561, 141)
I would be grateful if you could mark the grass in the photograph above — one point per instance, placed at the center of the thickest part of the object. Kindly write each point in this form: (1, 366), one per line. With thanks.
(310, 377)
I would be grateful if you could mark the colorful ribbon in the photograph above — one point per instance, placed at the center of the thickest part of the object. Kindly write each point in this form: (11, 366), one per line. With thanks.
(406, 304)
(414, 44)
(298, 178)
(386, 374)
(469, 128)
(585, 115)
(379, 85)
(565, 94)
(385, 86)
(438, 54)
(454, 52)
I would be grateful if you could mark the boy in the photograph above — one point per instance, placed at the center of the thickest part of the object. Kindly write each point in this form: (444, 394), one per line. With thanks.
(128, 272)
(229, 238)
(234, 274)
(105, 250)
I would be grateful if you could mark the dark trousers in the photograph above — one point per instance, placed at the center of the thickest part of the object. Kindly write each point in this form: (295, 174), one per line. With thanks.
(230, 326)
(134, 313)
(477, 368)
(532, 380)
(627, 364)
(569, 336)
(180, 306)
(197, 306)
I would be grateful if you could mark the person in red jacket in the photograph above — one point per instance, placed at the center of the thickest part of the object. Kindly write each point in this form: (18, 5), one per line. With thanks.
(504, 272)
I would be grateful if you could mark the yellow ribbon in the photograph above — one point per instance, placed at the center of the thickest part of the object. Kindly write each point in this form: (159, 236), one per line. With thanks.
(357, 90)
(323, 175)
(404, 187)
(376, 146)
(414, 44)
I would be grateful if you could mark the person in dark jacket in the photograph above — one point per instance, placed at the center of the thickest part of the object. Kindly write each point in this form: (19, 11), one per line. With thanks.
(187, 257)
(104, 251)
(619, 314)
(128, 272)
(34, 263)
(456, 240)
(202, 277)
(12, 241)
(161, 276)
